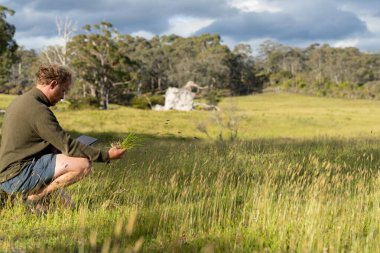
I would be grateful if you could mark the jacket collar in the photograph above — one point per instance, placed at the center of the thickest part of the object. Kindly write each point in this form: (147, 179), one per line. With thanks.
(40, 96)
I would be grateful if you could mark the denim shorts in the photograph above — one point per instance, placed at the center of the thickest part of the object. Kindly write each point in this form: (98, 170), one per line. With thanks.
(33, 176)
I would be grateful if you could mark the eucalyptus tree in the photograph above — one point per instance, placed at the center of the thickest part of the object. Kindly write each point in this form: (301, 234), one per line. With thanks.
(202, 59)
(99, 61)
(151, 61)
(22, 72)
(58, 53)
(243, 71)
(8, 47)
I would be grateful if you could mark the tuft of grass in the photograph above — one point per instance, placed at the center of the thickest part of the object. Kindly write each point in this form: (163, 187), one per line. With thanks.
(132, 140)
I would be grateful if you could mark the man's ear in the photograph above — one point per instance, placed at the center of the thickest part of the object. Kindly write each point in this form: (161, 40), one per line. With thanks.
(53, 84)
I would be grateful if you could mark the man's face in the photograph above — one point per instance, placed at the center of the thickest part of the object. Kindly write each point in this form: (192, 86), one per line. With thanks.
(58, 92)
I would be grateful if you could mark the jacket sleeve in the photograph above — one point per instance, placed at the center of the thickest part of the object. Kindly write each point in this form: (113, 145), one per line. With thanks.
(48, 128)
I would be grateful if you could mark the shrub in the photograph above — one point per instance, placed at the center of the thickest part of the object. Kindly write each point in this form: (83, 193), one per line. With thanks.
(146, 102)
(212, 97)
(122, 98)
(157, 100)
(83, 103)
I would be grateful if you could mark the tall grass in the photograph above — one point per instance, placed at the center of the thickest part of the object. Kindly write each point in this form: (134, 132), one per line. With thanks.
(260, 193)
(5, 100)
(277, 195)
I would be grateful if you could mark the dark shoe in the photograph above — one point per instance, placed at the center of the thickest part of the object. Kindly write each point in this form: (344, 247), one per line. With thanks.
(39, 208)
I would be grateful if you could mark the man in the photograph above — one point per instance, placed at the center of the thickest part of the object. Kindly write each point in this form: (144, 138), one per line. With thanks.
(31, 133)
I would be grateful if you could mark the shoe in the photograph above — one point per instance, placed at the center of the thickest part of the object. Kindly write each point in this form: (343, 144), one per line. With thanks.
(39, 207)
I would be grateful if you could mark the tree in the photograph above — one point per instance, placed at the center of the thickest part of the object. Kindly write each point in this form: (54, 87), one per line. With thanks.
(201, 59)
(243, 73)
(99, 61)
(8, 47)
(58, 53)
(151, 59)
(22, 73)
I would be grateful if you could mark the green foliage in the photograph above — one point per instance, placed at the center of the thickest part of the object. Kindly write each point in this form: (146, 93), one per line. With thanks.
(131, 141)
(99, 61)
(122, 98)
(146, 102)
(8, 48)
(319, 69)
(157, 100)
(83, 103)
(21, 78)
(212, 97)
(140, 102)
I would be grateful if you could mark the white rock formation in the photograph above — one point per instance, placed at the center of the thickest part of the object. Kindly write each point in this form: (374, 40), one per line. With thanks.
(177, 99)
(182, 99)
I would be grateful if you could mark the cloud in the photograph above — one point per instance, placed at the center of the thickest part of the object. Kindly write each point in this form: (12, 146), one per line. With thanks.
(306, 22)
(39, 42)
(186, 26)
(128, 16)
(255, 6)
(284, 21)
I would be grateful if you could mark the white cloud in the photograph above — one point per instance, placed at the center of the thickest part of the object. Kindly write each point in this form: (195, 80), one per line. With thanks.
(38, 42)
(186, 26)
(372, 23)
(254, 6)
(352, 42)
(144, 34)
(290, 22)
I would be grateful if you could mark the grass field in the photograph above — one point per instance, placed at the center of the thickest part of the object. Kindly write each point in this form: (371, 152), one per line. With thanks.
(302, 176)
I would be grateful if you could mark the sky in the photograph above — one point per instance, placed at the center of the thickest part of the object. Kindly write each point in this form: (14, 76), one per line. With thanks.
(296, 23)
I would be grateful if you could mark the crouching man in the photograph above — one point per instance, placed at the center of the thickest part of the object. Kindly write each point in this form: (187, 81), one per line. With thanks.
(31, 133)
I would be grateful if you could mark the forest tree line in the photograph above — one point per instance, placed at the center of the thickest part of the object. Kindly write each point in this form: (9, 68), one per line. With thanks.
(110, 67)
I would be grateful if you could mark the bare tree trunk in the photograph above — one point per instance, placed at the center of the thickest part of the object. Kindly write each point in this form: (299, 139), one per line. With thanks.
(92, 91)
(159, 84)
(58, 53)
(84, 93)
(152, 85)
(139, 88)
(103, 97)
(66, 29)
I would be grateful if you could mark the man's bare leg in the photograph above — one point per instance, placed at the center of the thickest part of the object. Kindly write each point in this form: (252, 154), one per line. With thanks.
(68, 170)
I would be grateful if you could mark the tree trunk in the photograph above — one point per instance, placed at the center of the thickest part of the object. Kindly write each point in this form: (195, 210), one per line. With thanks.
(84, 94)
(159, 84)
(139, 86)
(92, 91)
(152, 85)
(103, 97)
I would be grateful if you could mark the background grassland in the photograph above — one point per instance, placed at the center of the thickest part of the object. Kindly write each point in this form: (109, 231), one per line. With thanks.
(303, 177)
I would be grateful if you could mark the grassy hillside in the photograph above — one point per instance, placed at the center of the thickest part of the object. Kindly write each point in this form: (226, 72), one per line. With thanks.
(5, 100)
(262, 116)
(303, 177)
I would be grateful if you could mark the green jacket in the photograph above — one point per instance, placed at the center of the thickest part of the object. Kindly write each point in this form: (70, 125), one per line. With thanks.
(30, 129)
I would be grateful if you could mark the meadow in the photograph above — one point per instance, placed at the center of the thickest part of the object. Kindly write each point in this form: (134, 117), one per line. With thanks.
(268, 173)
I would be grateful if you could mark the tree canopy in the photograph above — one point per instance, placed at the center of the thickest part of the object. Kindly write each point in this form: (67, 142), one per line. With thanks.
(114, 67)
(8, 48)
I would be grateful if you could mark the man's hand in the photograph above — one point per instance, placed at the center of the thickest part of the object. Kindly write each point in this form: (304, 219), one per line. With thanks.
(116, 153)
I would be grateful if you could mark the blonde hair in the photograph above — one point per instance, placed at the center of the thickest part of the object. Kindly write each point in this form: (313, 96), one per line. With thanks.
(51, 72)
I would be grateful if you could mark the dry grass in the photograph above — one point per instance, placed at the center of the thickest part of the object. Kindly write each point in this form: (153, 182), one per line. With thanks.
(306, 193)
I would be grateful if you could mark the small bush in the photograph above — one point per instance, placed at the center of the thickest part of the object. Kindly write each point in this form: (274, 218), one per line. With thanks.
(146, 102)
(212, 97)
(140, 102)
(121, 98)
(157, 100)
(83, 103)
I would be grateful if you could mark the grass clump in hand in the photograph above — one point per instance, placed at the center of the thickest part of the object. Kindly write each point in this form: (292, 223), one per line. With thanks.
(131, 141)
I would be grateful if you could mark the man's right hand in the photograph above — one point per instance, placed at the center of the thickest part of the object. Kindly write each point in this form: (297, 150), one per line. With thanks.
(116, 153)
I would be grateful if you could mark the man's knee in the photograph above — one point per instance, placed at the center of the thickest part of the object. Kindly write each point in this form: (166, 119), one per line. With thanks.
(85, 167)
